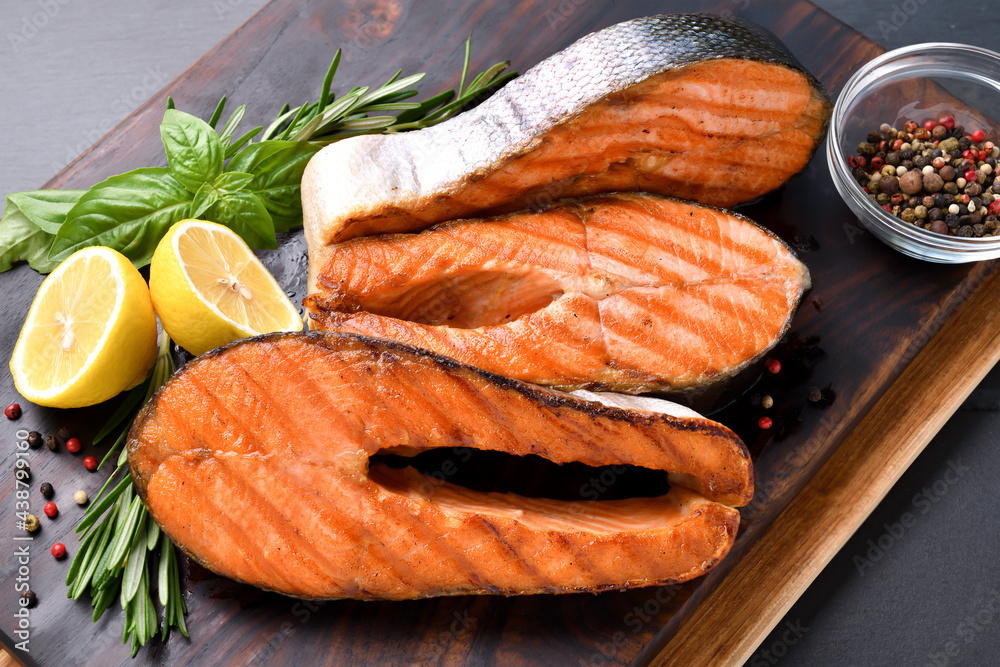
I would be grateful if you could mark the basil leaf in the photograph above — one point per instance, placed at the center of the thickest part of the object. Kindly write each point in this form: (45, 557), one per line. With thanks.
(193, 149)
(46, 209)
(277, 168)
(209, 193)
(203, 199)
(232, 181)
(130, 213)
(245, 214)
(23, 241)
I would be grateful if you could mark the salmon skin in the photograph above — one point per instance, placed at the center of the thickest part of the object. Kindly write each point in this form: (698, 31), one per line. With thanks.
(254, 459)
(626, 292)
(699, 107)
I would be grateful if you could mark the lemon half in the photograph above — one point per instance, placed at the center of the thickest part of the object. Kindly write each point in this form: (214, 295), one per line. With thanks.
(209, 288)
(89, 335)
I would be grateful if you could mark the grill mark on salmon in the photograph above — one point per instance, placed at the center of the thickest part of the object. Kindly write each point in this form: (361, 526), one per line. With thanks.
(628, 292)
(699, 107)
(298, 510)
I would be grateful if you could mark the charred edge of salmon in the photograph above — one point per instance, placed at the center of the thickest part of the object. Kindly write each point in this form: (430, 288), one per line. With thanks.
(381, 346)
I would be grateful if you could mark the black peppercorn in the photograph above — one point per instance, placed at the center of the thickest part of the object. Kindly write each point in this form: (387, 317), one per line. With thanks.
(30, 599)
(815, 394)
(978, 230)
(47, 490)
(920, 162)
(934, 214)
(965, 231)
(973, 189)
(908, 154)
(65, 433)
(873, 138)
(51, 443)
(951, 220)
(34, 439)
(860, 174)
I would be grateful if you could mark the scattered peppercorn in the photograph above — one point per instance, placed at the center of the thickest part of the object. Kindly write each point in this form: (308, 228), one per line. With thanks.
(773, 366)
(47, 490)
(51, 442)
(58, 550)
(34, 439)
(766, 402)
(933, 175)
(765, 422)
(31, 523)
(64, 433)
(80, 497)
(73, 445)
(30, 599)
(50, 509)
(815, 394)
(90, 463)
(13, 411)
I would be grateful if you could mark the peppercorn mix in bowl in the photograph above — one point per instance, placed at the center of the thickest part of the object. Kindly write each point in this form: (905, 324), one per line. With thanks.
(913, 151)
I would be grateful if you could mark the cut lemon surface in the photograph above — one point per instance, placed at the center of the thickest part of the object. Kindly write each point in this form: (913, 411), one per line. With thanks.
(209, 288)
(89, 335)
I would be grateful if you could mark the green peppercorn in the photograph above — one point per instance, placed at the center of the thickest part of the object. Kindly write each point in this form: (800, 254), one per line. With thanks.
(51, 442)
(920, 212)
(31, 523)
(908, 215)
(882, 199)
(866, 149)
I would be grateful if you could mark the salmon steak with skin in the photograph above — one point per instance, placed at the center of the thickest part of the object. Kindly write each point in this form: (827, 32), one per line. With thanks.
(700, 107)
(627, 292)
(254, 459)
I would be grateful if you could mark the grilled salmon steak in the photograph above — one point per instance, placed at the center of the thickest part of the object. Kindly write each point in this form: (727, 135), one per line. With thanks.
(254, 458)
(626, 292)
(699, 107)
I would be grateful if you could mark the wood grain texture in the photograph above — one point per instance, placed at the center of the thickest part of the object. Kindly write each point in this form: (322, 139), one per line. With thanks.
(799, 544)
(870, 313)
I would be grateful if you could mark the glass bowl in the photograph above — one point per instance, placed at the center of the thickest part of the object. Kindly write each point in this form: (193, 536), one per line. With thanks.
(919, 82)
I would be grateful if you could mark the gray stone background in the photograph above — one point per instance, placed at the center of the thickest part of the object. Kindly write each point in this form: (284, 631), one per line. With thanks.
(919, 582)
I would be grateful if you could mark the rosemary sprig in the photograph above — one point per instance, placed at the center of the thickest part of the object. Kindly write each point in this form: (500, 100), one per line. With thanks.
(115, 557)
(361, 111)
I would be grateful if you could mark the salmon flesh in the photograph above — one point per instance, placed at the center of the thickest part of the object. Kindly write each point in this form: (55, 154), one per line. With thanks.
(699, 107)
(626, 292)
(254, 459)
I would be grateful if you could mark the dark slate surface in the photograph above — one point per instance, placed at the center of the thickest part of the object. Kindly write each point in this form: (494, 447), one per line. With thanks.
(917, 585)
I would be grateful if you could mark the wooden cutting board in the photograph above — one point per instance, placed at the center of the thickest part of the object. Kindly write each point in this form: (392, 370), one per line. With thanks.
(858, 337)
